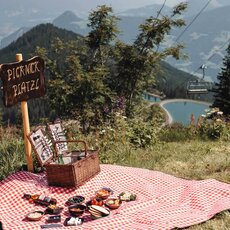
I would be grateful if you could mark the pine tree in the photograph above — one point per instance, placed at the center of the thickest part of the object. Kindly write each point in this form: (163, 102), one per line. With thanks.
(222, 87)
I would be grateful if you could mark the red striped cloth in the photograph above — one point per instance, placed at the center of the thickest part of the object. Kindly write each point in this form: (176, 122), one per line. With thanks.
(163, 201)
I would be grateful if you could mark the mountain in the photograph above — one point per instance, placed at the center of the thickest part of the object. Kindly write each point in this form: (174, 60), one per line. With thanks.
(70, 21)
(25, 13)
(204, 39)
(41, 35)
(13, 37)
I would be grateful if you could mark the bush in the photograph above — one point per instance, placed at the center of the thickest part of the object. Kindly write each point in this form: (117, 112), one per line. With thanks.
(213, 129)
(142, 134)
(176, 133)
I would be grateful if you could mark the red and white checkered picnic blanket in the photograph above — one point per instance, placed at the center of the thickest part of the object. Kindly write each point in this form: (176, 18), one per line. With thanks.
(163, 201)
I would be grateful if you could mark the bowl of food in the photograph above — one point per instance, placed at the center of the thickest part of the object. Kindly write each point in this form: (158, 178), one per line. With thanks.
(53, 209)
(35, 215)
(75, 200)
(77, 209)
(104, 193)
(95, 201)
(113, 203)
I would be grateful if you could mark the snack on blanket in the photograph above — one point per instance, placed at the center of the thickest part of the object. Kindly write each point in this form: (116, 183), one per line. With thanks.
(73, 221)
(113, 203)
(35, 216)
(54, 209)
(104, 193)
(127, 196)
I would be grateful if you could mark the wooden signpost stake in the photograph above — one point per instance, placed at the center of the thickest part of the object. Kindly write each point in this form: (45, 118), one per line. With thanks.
(23, 80)
(26, 128)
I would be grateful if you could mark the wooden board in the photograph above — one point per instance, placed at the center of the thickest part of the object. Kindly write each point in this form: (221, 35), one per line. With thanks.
(22, 80)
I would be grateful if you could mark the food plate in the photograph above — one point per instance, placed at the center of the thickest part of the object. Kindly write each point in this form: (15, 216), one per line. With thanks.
(75, 200)
(104, 193)
(35, 215)
(98, 212)
(113, 203)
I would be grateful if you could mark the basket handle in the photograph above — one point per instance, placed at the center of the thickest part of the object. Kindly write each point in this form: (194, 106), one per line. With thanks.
(66, 141)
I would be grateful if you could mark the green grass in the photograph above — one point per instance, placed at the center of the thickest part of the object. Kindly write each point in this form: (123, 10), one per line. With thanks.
(190, 160)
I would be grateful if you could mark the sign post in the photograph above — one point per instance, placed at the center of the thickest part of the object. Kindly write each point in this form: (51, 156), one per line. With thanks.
(22, 81)
(26, 128)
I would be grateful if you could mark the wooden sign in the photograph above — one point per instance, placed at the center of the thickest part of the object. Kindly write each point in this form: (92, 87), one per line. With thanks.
(22, 80)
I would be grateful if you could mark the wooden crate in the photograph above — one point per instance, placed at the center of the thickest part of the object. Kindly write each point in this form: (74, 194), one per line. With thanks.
(78, 167)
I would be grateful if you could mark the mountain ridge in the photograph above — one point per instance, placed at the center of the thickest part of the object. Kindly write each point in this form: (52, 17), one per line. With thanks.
(42, 36)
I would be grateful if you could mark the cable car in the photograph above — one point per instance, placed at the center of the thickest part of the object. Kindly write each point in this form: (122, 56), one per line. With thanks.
(199, 86)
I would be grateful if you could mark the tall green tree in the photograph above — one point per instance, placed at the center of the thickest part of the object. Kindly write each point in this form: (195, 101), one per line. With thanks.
(222, 87)
(137, 64)
(77, 86)
(103, 24)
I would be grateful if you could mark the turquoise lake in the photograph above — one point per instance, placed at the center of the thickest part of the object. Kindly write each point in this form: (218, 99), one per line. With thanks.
(181, 111)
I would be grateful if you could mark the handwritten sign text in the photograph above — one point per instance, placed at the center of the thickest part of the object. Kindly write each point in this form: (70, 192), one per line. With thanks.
(22, 80)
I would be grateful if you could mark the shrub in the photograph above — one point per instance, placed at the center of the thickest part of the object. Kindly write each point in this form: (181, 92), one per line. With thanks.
(142, 134)
(213, 129)
(176, 133)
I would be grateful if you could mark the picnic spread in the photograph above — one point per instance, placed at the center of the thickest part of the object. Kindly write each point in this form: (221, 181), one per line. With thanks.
(118, 197)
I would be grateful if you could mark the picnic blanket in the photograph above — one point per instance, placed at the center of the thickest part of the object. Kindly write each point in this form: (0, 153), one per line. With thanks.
(163, 201)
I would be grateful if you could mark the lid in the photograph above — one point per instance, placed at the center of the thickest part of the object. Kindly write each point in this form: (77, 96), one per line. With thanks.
(41, 146)
(58, 134)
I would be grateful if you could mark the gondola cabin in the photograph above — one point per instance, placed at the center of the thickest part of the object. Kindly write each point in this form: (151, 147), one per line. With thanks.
(198, 87)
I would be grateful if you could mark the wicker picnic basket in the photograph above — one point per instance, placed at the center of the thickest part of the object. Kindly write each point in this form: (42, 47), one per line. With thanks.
(75, 168)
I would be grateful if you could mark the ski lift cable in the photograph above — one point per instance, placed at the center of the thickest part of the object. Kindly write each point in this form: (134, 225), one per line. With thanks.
(159, 12)
(196, 16)
(186, 28)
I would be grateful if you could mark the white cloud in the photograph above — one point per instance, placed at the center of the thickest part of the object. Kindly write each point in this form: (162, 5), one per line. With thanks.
(13, 13)
(195, 36)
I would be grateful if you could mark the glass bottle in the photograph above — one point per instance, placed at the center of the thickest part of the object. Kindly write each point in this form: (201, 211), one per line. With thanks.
(60, 159)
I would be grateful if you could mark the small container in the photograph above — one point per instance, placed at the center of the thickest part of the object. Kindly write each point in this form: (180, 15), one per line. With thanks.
(75, 200)
(35, 216)
(53, 209)
(77, 210)
(104, 193)
(54, 219)
(113, 203)
(73, 221)
(95, 201)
